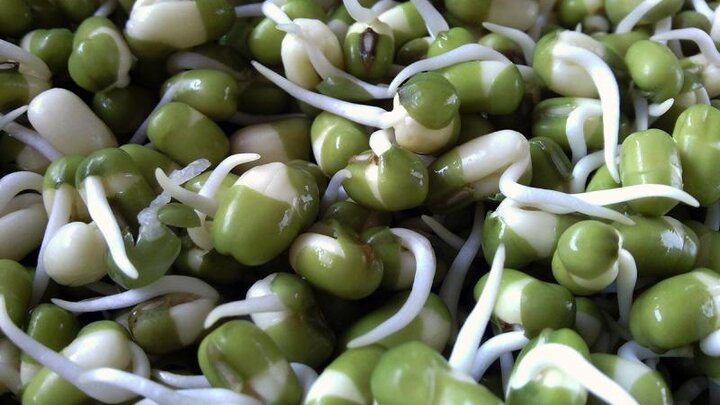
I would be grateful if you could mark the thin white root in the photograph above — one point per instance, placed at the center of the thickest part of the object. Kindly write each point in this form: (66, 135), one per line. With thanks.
(207, 206)
(443, 233)
(604, 80)
(32, 139)
(360, 13)
(59, 215)
(101, 213)
(462, 356)
(106, 8)
(455, 277)
(200, 235)
(11, 116)
(630, 193)
(575, 128)
(140, 361)
(29, 63)
(640, 105)
(698, 36)
(493, 348)
(575, 366)
(550, 200)
(422, 283)
(275, 13)
(180, 380)
(633, 351)
(628, 23)
(163, 286)
(362, 114)
(702, 7)
(101, 378)
(16, 182)
(305, 375)
(626, 279)
(524, 41)
(434, 21)
(180, 61)
(254, 305)
(464, 53)
(332, 192)
(211, 396)
(140, 135)
(583, 168)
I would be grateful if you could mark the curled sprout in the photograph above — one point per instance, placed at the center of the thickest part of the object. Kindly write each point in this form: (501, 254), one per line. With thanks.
(27, 136)
(455, 277)
(334, 187)
(253, 305)
(204, 202)
(634, 351)
(575, 127)
(575, 366)
(140, 135)
(60, 364)
(582, 170)
(462, 356)
(633, 17)
(325, 69)
(525, 41)
(626, 280)
(443, 233)
(494, 348)
(701, 38)
(434, 21)
(100, 211)
(106, 8)
(180, 380)
(306, 376)
(607, 88)
(29, 63)
(163, 286)
(422, 283)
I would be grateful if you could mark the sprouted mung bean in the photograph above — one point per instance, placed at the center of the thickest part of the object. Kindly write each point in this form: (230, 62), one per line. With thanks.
(330, 172)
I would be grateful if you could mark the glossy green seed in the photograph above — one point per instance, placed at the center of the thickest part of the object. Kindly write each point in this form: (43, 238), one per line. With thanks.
(368, 51)
(394, 181)
(616, 10)
(186, 134)
(347, 378)
(147, 160)
(655, 70)
(552, 169)
(241, 357)
(279, 141)
(15, 18)
(263, 212)
(124, 110)
(431, 326)
(339, 263)
(646, 385)
(430, 99)
(530, 303)
(448, 40)
(661, 246)
(489, 87)
(422, 375)
(585, 261)
(696, 133)
(650, 157)
(212, 92)
(53, 46)
(552, 386)
(335, 140)
(677, 311)
(152, 256)
(15, 286)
